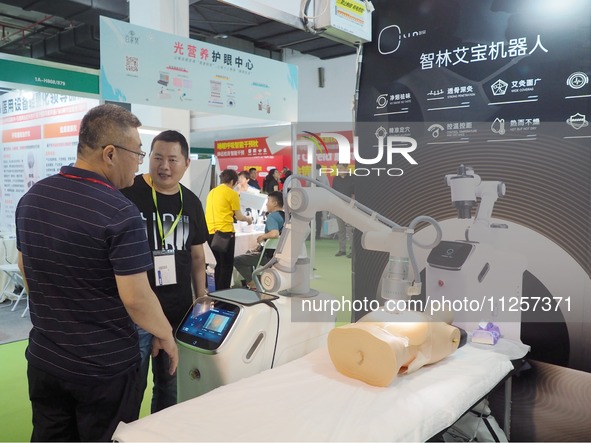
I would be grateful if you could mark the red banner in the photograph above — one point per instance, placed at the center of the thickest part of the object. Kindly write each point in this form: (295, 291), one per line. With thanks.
(243, 147)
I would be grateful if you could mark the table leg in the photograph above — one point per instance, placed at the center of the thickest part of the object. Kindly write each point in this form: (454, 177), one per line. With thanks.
(5, 292)
(507, 416)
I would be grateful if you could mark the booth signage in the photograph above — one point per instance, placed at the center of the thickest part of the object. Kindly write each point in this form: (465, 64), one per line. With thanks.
(39, 135)
(33, 74)
(502, 88)
(145, 66)
(247, 147)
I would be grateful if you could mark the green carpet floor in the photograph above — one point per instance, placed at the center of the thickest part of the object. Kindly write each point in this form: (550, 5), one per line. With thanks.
(331, 275)
(15, 408)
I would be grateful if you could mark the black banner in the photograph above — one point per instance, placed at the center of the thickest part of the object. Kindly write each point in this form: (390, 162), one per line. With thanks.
(503, 87)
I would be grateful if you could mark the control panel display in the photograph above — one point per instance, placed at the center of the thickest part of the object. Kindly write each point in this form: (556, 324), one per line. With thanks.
(450, 255)
(208, 330)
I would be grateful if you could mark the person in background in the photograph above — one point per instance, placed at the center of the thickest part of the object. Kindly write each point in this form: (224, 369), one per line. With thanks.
(243, 184)
(322, 178)
(284, 177)
(176, 228)
(344, 184)
(222, 206)
(271, 182)
(285, 172)
(253, 178)
(273, 226)
(84, 255)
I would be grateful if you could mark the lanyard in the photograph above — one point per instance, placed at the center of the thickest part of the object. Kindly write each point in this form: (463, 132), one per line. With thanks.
(176, 221)
(88, 179)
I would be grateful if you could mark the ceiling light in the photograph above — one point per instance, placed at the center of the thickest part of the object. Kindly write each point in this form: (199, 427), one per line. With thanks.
(148, 131)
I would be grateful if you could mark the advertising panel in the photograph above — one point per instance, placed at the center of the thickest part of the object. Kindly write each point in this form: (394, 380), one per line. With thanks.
(496, 96)
(194, 75)
(493, 93)
(39, 133)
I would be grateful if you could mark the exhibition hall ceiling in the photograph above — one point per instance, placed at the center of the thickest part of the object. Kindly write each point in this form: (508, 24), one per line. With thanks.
(67, 31)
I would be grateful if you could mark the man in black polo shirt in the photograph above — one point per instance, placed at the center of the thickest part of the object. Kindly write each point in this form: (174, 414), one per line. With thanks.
(84, 254)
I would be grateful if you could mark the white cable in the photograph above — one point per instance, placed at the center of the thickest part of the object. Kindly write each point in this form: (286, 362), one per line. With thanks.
(312, 17)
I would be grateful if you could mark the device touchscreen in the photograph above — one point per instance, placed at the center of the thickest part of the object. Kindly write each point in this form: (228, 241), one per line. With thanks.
(207, 330)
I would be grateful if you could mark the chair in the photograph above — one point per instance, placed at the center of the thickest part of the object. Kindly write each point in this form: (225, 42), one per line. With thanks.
(269, 245)
(23, 293)
(15, 277)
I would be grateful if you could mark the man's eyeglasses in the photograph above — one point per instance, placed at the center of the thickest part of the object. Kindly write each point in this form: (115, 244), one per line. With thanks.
(140, 154)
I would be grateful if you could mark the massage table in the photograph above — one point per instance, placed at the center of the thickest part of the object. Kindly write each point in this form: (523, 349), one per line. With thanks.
(308, 400)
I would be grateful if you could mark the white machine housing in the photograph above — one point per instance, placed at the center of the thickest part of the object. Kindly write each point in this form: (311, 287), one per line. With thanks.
(475, 282)
(481, 282)
(260, 337)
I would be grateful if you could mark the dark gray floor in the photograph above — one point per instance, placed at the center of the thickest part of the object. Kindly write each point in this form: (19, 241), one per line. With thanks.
(13, 327)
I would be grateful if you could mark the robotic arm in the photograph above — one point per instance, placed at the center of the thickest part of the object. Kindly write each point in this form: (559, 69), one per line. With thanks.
(466, 187)
(287, 270)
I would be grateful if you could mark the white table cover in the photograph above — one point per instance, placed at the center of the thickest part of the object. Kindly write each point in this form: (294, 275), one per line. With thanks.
(308, 400)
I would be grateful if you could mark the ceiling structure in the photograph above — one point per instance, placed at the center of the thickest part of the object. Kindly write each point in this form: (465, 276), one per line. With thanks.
(67, 31)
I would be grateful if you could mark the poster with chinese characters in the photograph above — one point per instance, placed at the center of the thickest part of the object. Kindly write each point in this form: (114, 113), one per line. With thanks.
(496, 94)
(39, 135)
(145, 66)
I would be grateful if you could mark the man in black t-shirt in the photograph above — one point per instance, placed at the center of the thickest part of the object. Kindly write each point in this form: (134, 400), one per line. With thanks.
(252, 181)
(176, 229)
